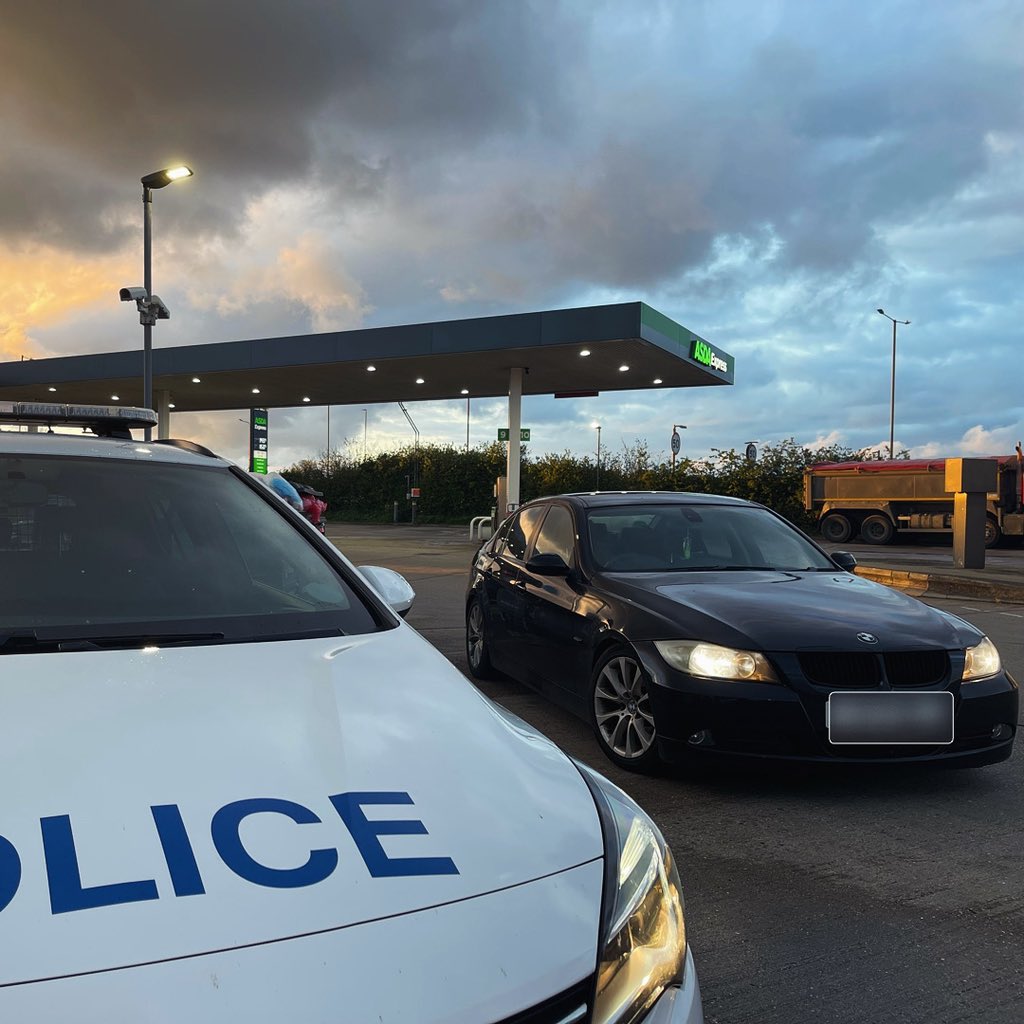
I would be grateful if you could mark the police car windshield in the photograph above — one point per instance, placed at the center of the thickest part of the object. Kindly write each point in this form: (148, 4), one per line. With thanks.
(100, 547)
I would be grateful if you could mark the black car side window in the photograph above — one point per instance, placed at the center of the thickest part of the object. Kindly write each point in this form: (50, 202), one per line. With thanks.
(558, 535)
(521, 532)
(498, 542)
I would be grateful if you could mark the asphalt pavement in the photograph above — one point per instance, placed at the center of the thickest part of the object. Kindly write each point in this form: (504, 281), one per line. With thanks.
(927, 568)
(834, 897)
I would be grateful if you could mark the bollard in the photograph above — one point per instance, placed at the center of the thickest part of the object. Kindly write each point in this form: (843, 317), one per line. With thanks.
(413, 511)
(395, 520)
(970, 481)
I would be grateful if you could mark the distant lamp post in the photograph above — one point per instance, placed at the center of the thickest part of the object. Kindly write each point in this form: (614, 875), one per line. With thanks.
(892, 392)
(150, 307)
(597, 476)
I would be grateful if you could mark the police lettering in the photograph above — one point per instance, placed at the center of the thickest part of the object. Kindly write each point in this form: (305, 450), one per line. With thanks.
(69, 893)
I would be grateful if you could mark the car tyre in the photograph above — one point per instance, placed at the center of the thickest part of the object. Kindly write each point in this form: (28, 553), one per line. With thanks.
(836, 528)
(477, 654)
(620, 711)
(877, 529)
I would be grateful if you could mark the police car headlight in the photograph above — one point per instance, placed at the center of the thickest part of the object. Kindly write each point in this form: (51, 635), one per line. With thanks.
(981, 661)
(642, 947)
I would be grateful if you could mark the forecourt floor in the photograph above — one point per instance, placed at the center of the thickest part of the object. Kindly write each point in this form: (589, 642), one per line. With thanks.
(833, 897)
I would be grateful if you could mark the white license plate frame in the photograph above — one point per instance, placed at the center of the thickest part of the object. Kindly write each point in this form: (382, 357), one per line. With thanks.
(890, 718)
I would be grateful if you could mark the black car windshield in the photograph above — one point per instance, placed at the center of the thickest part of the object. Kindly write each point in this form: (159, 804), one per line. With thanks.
(661, 537)
(113, 549)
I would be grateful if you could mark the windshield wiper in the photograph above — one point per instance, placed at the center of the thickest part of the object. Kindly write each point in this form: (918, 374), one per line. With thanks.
(28, 641)
(733, 568)
(20, 640)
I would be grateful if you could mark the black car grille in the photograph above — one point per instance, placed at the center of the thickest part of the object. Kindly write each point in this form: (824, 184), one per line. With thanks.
(916, 668)
(851, 671)
(571, 1007)
(858, 670)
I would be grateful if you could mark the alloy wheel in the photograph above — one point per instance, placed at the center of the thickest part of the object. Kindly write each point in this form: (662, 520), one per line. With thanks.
(622, 708)
(475, 635)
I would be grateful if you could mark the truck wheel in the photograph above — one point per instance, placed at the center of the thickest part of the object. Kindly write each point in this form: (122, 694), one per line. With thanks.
(993, 534)
(877, 529)
(835, 527)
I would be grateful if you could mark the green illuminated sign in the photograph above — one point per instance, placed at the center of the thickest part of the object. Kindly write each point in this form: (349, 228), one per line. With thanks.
(524, 434)
(704, 354)
(259, 421)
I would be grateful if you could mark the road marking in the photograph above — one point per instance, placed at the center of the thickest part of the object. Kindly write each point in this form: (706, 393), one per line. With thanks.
(970, 608)
(1013, 615)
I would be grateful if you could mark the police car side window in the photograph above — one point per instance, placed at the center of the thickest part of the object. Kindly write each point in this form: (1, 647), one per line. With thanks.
(558, 535)
(521, 532)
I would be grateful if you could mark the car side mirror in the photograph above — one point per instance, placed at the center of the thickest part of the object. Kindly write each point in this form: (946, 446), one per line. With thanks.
(844, 560)
(393, 587)
(547, 565)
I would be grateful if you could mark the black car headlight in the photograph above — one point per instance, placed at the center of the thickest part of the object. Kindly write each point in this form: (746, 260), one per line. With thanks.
(642, 945)
(713, 661)
(981, 661)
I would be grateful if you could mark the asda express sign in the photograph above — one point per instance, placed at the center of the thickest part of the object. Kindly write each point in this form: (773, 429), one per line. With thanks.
(701, 352)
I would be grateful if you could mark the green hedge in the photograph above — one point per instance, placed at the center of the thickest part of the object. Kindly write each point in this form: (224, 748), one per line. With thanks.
(456, 484)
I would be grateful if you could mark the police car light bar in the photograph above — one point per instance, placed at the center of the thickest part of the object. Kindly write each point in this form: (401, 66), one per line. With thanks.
(56, 414)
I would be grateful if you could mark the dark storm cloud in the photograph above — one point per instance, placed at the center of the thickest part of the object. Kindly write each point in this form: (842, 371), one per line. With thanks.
(619, 163)
(250, 91)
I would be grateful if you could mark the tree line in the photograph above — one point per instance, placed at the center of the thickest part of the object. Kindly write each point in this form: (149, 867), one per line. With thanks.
(456, 484)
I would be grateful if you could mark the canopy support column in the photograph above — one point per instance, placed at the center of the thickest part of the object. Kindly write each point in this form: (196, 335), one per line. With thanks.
(515, 404)
(163, 413)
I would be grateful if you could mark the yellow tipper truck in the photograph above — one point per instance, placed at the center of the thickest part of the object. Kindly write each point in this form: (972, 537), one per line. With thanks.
(882, 499)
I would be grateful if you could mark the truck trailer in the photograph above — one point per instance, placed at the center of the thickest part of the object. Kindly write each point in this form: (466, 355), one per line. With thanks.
(880, 500)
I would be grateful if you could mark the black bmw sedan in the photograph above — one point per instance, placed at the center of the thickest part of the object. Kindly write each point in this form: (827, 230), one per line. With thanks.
(693, 626)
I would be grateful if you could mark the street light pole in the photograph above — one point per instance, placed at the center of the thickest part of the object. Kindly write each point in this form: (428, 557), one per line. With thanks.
(364, 435)
(892, 390)
(147, 283)
(597, 476)
(158, 179)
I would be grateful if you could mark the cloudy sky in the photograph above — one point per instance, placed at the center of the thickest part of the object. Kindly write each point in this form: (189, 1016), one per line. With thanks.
(765, 173)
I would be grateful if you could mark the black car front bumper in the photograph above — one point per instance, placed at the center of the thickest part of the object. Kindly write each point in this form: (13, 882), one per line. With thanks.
(732, 721)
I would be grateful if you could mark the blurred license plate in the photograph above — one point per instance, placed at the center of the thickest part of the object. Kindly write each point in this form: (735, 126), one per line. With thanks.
(890, 717)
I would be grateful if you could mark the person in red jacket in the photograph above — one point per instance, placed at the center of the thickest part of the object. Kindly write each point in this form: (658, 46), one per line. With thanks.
(312, 505)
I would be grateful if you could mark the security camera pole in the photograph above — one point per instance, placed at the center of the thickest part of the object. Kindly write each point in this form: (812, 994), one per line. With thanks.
(158, 179)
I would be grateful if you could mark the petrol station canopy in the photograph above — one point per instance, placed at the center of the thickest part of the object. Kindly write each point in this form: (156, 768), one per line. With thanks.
(570, 352)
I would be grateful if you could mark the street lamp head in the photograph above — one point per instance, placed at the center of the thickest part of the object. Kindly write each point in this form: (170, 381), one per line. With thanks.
(160, 179)
(882, 311)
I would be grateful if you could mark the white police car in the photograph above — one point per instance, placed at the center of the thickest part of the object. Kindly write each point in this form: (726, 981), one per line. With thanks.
(238, 787)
